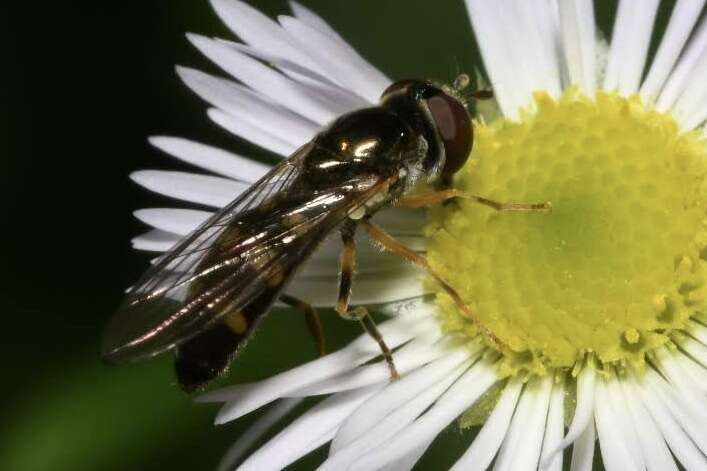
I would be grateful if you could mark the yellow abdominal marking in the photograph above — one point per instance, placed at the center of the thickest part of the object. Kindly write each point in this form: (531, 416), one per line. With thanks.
(616, 268)
(237, 322)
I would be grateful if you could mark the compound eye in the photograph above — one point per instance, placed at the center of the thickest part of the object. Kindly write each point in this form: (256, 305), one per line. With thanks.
(454, 126)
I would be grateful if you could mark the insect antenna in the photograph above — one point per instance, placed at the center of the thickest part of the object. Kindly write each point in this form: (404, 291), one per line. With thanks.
(461, 90)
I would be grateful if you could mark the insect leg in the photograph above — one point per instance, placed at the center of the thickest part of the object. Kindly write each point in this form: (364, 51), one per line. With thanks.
(437, 197)
(461, 83)
(360, 313)
(387, 242)
(348, 267)
(484, 94)
(369, 325)
(312, 317)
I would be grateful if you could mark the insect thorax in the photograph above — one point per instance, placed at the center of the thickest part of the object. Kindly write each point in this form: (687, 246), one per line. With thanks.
(372, 141)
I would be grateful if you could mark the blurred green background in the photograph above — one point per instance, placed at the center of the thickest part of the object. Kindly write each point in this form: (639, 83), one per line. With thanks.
(83, 84)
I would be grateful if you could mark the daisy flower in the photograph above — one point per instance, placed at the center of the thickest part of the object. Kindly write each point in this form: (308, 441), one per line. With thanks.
(600, 305)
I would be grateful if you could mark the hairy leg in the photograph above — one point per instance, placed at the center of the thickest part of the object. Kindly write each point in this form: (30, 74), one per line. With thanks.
(360, 313)
(312, 318)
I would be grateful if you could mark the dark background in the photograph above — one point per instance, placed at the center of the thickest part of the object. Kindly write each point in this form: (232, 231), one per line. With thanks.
(82, 84)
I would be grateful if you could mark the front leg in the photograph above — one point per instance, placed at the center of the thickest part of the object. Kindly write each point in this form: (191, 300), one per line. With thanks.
(361, 314)
(437, 197)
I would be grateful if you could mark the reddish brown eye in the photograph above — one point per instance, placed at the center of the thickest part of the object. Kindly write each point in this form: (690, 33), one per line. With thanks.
(454, 126)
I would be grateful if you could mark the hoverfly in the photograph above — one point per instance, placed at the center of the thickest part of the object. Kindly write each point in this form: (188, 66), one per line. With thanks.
(206, 296)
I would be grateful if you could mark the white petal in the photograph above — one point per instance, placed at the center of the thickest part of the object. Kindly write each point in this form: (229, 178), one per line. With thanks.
(680, 444)
(258, 30)
(695, 349)
(629, 45)
(329, 89)
(691, 416)
(489, 439)
(390, 425)
(293, 69)
(338, 59)
(534, 60)
(578, 42)
(177, 221)
(318, 280)
(201, 189)
(601, 56)
(339, 98)
(380, 288)
(371, 262)
(694, 113)
(265, 80)
(682, 20)
(292, 443)
(398, 393)
(541, 37)
(245, 398)
(669, 365)
(614, 452)
(312, 19)
(245, 104)
(256, 431)
(250, 133)
(155, 241)
(211, 158)
(554, 429)
(401, 221)
(695, 371)
(689, 399)
(698, 331)
(689, 107)
(622, 417)
(656, 452)
(408, 307)
(523, 442)
(585, 405)
(583, 449)
(315, 444)
(683, 74)
(409, 460)
(371, 266)
(366, 249)
(418, 352)
(458, 397)
(512, 65)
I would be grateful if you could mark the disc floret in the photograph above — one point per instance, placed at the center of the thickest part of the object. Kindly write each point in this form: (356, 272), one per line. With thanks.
(616, 268)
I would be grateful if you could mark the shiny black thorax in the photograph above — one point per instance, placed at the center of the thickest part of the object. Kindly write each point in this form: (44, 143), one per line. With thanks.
(393, 139)
(373, 142)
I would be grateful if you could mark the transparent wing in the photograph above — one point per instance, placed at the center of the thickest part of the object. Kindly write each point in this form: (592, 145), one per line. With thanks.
(176, 268)
(252, 245)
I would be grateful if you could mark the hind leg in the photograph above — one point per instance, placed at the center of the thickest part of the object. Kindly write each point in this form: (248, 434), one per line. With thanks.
(312, 317)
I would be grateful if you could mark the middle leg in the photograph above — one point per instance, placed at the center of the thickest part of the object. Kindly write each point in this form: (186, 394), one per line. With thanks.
(387, 242)
(360, 313)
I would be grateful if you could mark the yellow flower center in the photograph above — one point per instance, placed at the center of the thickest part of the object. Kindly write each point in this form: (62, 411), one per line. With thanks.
(617, 264)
